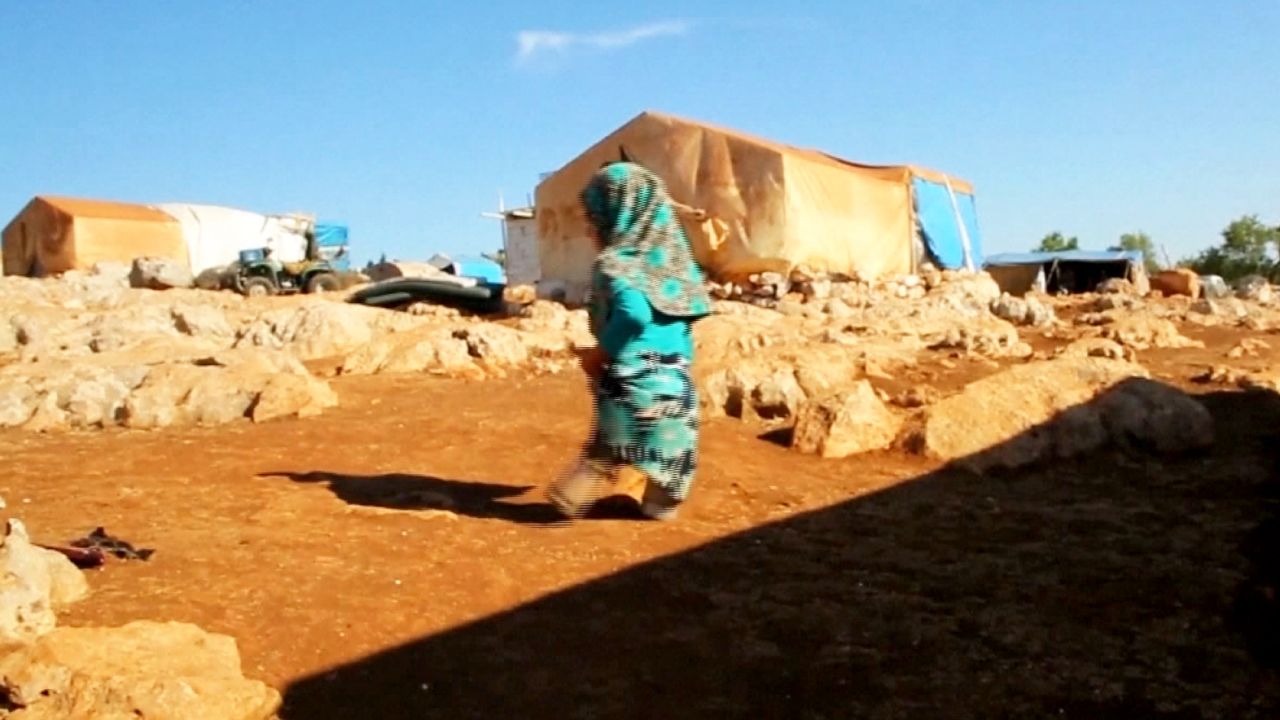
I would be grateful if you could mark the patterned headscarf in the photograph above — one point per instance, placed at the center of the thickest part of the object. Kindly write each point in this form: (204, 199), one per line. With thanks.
(644, 246)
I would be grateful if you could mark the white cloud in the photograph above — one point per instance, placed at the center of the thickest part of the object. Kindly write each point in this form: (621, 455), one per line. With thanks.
(532, 43)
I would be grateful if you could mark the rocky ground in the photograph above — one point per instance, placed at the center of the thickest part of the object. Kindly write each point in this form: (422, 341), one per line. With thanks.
(919, 498)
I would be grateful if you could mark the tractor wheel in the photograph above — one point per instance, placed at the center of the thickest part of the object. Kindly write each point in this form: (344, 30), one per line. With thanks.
(257, 287)
(323, 282)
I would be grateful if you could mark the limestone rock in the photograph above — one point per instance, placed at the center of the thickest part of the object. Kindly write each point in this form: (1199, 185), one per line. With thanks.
(1116, 286)
(1022, 311)
(1058, 409)
(159, 671)
(495, 344)
(17, 403)
(202, 320)
(34, 582)
(1098, 347)
(728, 392)
(1248, 347)
(316, 330)
(1255, 288)
(1141, 332)
(777, 396)
(845, 424)
(544, 315)
(216, 278)
(839, 309)
(114, 273)
(916, 397)
(991, 337)
(1117, 301)
(432, 350)
(1176, 282)
(160, 274)
(292, 396)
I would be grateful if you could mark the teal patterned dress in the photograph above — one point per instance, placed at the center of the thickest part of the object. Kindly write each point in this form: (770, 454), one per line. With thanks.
(647, 292)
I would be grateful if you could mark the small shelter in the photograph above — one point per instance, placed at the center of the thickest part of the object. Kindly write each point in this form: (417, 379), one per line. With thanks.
(1066, 271)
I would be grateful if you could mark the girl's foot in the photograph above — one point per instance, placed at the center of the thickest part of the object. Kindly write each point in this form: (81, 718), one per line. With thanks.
(577, 489)
(658, 505)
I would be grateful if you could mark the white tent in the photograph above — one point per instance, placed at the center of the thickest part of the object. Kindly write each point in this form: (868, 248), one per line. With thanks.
(216, 235)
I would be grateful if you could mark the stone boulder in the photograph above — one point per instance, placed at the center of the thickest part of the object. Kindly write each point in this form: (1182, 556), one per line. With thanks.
(17, 402)
(989, 336)
(1116, 286)
(544, 315)
(158, 671)
(1059, 409)
(974, 289)
(1213, 287)
(262, 385)
(114, 273)
(1022, 311)
(34, 583)
(1097, 347)
(318, 329)
(433, 350)
(293, 395)
(1117, 301)
(1255, 288)
(160, 274)
(50, 396)
(846, 423)
(728, 392)
(1228, 308)
(1248, 347)
(130, 326)
(777, 396)
(1142, 332)
(201, 321)
(494, 345)
(1180, 281)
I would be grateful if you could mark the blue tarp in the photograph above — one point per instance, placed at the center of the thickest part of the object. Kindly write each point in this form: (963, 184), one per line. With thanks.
(332, 237)
(937, 220)
(480, 268)
(1083, 256)
(331, 234)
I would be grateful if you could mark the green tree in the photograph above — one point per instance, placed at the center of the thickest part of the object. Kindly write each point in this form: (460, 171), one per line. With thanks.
(1248, 247)
(1141, 242)
(1055, 241)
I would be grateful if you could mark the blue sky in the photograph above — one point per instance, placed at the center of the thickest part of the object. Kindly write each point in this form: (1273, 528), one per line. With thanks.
(405, 119)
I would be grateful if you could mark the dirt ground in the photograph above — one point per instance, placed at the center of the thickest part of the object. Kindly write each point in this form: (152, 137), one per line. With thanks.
(393, 558)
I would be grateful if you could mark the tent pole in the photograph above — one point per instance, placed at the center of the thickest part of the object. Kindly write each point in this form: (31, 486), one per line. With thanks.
(964, 231)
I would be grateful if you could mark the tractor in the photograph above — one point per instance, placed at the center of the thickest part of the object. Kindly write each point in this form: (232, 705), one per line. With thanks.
(259, 275)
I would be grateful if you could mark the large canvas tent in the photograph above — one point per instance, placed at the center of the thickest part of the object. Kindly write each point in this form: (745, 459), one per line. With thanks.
(52, 235)
(215, 235)
(768, 206)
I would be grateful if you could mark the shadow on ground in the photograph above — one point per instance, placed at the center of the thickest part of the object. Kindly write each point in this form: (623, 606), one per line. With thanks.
(396, 491)
(1113, 586)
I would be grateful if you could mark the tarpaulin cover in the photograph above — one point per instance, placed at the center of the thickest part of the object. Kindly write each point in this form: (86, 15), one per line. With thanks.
(482, 269)
(937, 217)
(769, 206)
(331, 235)
(330, 239)
(1066, 270)
(52, 235)
(215, 235)
(1084, 256)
